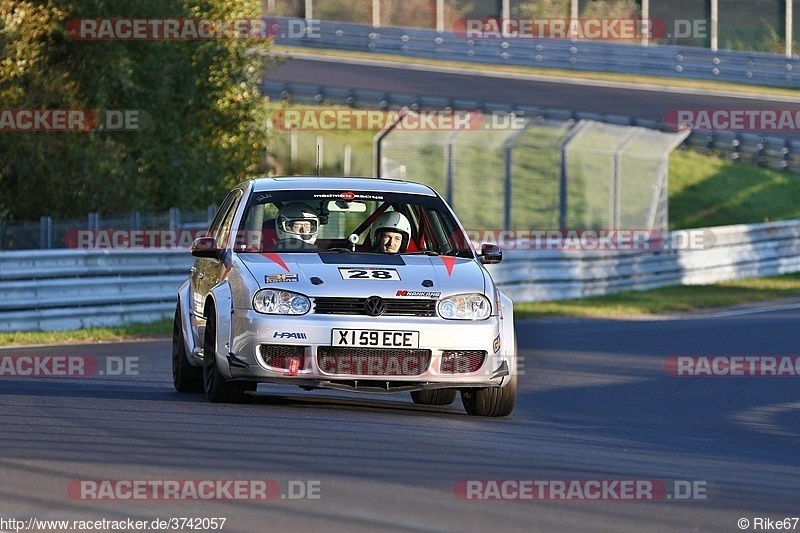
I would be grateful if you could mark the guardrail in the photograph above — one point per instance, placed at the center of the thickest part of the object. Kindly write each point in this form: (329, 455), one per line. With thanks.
(70, 289)
(775, 152)
(656, 60)
(740, 251)
(74, 289)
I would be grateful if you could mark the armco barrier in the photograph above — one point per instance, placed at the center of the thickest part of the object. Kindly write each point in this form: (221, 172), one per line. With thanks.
(70, 289)
(739, 251)
(73, 289)
(680, 62)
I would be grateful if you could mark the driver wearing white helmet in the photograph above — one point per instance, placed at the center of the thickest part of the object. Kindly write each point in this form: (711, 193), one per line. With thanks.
(391, 232)
(297, 226)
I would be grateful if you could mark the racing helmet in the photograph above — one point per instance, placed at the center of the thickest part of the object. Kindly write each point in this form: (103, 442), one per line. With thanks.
(391, 221)
(297, 221)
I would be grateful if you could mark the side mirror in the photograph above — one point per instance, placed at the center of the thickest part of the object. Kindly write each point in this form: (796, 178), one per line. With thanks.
(205, 247)
(490, 254)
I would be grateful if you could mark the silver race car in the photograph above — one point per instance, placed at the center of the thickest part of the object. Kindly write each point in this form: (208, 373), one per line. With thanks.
(358, 284)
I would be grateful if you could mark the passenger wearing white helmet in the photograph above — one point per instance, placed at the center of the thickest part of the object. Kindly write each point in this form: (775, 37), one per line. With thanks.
(296, 226)
(391, 232)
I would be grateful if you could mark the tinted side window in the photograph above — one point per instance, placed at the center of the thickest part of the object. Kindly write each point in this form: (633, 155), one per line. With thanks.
(220, 227)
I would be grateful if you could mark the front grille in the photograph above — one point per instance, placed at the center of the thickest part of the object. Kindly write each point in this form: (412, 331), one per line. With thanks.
(462, 361)
(394, 306)
(279, 355)
(342, 360)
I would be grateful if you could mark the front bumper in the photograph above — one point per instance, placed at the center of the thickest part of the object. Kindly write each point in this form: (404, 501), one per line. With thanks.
(311, 336)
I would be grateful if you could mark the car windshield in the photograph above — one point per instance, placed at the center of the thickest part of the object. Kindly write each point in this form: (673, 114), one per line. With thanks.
(346, 222)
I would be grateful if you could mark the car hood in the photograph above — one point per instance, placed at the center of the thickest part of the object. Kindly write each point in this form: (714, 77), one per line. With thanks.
(419, 275)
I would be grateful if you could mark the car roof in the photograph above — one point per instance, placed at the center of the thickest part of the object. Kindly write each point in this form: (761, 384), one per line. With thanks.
(348, 183)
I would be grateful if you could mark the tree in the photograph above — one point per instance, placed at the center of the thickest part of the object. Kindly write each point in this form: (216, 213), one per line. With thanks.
(202, 97)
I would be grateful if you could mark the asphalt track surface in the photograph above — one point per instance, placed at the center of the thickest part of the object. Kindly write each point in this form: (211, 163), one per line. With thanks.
(595, 403)
(593, 97)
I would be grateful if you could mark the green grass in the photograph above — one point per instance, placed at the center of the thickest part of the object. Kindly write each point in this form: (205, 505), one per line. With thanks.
(707, 191)
(133, 331)
(668, 299)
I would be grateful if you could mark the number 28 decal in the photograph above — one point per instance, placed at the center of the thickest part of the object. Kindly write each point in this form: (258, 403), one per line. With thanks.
(369, 273)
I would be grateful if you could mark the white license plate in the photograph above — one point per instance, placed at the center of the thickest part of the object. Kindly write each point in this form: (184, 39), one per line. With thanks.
(374, 338)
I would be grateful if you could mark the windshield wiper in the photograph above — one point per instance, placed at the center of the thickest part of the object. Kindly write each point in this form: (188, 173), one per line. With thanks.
(460, 253)
(423, 252)
(337, 250)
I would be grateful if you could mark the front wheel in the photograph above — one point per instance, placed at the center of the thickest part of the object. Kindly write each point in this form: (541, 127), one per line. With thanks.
(217, 388)
(491, 401)
(434, 397)
(185, 377)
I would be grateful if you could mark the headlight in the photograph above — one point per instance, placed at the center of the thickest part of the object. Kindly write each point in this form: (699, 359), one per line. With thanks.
(465, 307)
(274, 302)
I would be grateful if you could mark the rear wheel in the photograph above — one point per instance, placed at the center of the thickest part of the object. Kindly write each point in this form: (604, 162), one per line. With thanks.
(491, 401)
(185, 377)
(217, 388)
(434, 397)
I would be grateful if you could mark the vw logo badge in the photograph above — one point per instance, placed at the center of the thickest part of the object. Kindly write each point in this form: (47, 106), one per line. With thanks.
(375, 306)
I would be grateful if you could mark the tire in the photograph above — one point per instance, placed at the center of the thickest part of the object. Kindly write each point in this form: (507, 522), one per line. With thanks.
(185, 377)
(217, 388)
(434, 397)
(491, 401)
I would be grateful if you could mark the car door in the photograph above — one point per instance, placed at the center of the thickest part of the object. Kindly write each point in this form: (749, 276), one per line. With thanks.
(206, 272)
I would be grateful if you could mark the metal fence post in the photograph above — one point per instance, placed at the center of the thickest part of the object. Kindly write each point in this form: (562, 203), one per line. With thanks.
(616, 177)
(293, 146)
(563, 183)
(46, 233)
(449, 166)
(174, 218)
(348, 154)
(508, 148)
(377, 143)
(788, 29)
(507, 187)
(376, 13)
(320, 152)
(94, 221)
(647, 27)
(714, 24)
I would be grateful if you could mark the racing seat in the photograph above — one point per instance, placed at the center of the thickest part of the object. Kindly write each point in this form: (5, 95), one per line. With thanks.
(269, 236)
